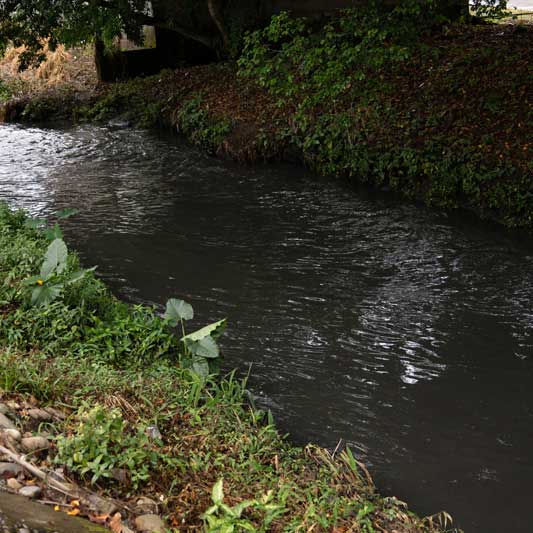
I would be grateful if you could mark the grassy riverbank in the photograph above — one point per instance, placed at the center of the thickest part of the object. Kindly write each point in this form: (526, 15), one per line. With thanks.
(118, 372)
(438, 114)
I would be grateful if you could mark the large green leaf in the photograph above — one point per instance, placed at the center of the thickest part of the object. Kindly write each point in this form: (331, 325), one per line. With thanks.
(206, 347)
(200, 366)
(178, 310)
(55, 258)
(217, 492)
(214, 329)
(45, 294)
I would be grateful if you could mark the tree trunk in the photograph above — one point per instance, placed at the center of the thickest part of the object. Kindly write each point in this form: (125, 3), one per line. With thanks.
(216, 15)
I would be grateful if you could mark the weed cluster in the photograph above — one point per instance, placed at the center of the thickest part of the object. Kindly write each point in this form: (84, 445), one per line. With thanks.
(199, 126)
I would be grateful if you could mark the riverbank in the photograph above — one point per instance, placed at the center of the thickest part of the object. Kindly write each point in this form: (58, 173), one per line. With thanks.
(444, 119)
(99, 392)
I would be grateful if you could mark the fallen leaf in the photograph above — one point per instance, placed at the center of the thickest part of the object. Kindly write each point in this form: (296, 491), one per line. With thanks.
(116, 523)
(74, 512)
(75, 503)
(56, 508)
(99, 518)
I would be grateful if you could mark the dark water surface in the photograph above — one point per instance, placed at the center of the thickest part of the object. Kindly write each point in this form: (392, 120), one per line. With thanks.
(408, 334)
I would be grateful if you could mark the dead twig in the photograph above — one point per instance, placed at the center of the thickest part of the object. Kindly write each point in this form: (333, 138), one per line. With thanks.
(37, 472)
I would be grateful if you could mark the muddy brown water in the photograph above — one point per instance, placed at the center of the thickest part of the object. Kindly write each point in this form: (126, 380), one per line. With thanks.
(405, 332)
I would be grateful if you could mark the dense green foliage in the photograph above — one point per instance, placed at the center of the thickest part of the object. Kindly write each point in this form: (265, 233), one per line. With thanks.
(338, 85)
(298, 62)
(64, 298)
(88, 349)
(102, 445)
(70, 22)
(198, 126)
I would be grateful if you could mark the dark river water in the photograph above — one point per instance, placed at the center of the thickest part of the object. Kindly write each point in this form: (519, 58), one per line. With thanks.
(404, 332)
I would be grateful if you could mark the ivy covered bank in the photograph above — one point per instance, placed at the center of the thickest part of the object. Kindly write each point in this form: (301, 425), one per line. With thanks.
(402, 101)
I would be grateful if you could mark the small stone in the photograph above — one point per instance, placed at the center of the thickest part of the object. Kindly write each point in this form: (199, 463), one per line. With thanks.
(39, 414)
(154, 433)
(13, 434)
(13, 484)
(121, 475)
(4, 409)
(56, 413)
(33, 444)
(147, 505)
(14, 406)
(8, 470)
(150, 523)
(30, 491)
(6, 423)
(24, 530)
(101, 505)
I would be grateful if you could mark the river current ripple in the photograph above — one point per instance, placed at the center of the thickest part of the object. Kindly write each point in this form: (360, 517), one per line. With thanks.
(405, 332)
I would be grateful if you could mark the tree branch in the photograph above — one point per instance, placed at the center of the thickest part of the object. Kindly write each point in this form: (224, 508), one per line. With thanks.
(214, 11)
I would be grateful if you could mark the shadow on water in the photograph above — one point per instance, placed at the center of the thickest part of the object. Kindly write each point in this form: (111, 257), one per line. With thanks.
(406, 332)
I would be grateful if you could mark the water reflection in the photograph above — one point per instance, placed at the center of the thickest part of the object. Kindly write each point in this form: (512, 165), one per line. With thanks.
(408, 335)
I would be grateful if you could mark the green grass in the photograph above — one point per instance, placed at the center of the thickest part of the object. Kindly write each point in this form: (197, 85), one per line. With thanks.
(118, 370)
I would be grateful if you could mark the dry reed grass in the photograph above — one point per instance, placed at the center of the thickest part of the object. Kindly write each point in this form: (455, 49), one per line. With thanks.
(61, 68)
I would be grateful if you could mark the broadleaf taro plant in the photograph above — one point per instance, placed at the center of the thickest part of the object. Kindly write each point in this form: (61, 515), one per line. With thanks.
(53, 276)
(200, 350)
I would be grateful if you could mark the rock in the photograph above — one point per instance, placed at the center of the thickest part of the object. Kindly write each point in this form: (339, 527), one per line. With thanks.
(56, 413)
(24, 530)
(33, 444)
(13, 484)
(30, 491)
(147, 505)
(5, 423)
(101, 505)
(40, 415)
(154, 433)
(126, 529)
(121, 475)
(13, 434)
(8, 470)
(150, 523)
(4, 409)
(14, 406)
